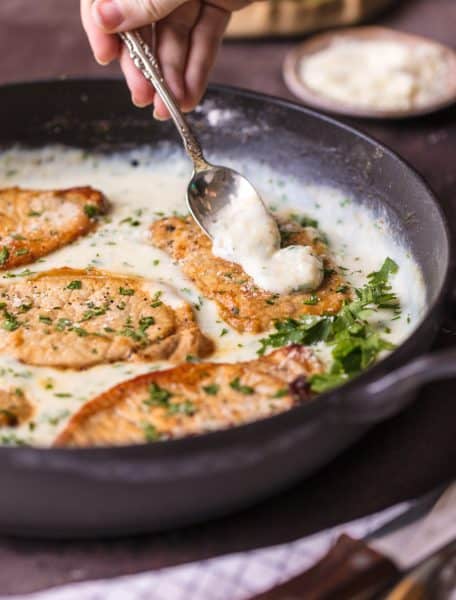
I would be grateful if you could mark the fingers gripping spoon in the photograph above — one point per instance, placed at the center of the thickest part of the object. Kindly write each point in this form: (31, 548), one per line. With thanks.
(211, 187)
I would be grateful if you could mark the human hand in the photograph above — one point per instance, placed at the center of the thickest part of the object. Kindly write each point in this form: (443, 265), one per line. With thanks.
(187, 37)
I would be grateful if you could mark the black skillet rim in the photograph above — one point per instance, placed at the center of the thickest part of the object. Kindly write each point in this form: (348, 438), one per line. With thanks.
(321, 403)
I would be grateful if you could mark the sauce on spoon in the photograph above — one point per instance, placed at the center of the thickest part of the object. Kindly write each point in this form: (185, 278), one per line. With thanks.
(246, 233)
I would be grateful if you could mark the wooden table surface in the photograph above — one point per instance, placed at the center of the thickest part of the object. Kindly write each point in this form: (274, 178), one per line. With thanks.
(397, 460)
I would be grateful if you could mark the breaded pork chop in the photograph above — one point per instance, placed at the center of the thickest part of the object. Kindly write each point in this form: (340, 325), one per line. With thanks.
(15, 408)
(34, 223)
(193, 398)
(240, 302)
(76, 319)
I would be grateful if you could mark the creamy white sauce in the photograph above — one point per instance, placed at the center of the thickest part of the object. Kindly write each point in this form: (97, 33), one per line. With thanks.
(143, 186)
(246, 233)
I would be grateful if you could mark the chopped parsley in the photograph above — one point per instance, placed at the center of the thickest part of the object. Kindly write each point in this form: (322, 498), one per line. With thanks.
(158, 396)
(138, 335)
(10, 322)
(156, 302)
(161, 397)
(182, 408)
(311, 300)
(238, 387)
(355, 342)
(145, 323)
(151, 433)
(272, 299)
(126, 291)
(304, 221)
(131, 221)
(80, 331)
(11, 439)
(211, 389)
(94, 311)
(63, 324)
(91, 211)
(24, 273)
(75, 285)
(25, 307)
(281, 393)
(342, 289)
(21, 251)
(191, 358)
(4, 255)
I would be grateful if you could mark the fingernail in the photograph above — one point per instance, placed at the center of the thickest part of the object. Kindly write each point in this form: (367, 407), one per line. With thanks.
(107, 14)
(139, 103)
(103, 63)
(159, 117)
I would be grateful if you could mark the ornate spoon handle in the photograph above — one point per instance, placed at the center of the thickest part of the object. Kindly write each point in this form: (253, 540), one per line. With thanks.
(146, 62)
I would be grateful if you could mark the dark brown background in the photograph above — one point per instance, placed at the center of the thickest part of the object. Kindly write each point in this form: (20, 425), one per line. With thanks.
(397, 460)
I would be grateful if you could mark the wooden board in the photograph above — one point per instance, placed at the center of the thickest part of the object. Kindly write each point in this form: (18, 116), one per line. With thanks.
(295, 17)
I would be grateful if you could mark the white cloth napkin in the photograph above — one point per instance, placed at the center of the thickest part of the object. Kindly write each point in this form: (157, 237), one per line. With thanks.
(232, 577)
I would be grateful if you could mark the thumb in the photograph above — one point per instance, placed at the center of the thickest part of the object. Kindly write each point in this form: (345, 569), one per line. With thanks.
(122, 15)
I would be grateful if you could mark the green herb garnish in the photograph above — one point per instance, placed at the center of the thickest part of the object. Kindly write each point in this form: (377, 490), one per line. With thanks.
(156, 302)
(211, 389)
(158, 396)
(150, 432)
(126, 291)
(238, 387)
(281, 393)
(182, 408)
(63, 324)
(355, 342)
(91, 210)
(311, 300)
(304, 221)
(94, 311)
(4, 255)
(10, 322)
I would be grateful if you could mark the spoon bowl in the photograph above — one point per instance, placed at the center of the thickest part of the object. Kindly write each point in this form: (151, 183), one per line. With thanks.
(212, 188)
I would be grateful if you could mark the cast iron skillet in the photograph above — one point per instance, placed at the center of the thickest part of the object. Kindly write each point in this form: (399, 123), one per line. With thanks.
(111, 491)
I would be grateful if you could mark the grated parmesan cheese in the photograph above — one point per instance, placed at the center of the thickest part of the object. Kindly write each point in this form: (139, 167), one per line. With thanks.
(377, 74)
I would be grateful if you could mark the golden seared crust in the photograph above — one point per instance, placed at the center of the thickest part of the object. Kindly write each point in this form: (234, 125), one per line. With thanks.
(15, 408)
(34, 223)
(77, 319)
(192, 399)
(240, 302)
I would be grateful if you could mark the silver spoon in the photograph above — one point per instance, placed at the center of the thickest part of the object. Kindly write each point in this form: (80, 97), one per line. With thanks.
(211, 187)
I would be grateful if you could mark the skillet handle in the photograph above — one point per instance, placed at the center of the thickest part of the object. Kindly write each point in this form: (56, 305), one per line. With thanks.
(389, 394)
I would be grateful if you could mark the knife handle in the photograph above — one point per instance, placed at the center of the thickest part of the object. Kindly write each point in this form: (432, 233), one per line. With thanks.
(351, 569)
